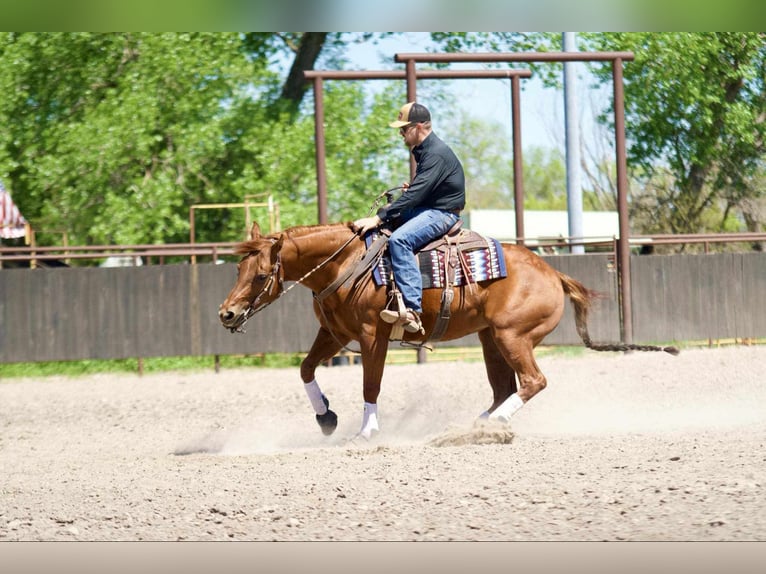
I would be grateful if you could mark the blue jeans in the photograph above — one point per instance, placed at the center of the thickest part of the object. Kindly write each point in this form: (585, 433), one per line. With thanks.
(421, 226)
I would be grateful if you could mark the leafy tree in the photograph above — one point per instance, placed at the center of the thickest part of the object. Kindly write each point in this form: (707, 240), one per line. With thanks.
(545, 180)
(695, 119)
(113, 136)
(485, 150)
(361, 156)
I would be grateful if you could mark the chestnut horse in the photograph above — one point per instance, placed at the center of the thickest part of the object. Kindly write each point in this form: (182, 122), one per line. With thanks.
(511, 315)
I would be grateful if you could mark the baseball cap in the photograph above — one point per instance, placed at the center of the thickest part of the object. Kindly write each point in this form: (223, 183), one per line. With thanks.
(410, 113)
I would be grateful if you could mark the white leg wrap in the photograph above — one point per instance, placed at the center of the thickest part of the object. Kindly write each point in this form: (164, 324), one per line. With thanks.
(504, 412)
(369, 420)
(315, 396)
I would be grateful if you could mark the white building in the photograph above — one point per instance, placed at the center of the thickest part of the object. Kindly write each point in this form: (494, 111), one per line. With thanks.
(541, 227)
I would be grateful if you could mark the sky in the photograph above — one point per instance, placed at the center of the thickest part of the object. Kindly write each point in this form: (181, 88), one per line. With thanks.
(543, 122)
(541, 110)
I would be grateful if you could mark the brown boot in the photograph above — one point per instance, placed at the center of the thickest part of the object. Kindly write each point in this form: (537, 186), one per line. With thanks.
(412, 322)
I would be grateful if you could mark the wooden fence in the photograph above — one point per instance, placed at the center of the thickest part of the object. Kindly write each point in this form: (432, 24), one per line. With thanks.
(171, 310)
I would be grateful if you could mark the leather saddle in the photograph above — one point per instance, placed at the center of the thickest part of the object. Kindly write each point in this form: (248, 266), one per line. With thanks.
(445, 262)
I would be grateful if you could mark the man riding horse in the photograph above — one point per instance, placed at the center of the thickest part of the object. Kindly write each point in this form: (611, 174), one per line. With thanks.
(511, 313)
(429, 207)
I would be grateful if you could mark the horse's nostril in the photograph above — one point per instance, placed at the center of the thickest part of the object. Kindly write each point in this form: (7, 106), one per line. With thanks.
(227, 316)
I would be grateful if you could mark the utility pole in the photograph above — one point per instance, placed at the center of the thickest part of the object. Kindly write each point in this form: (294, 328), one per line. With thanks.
(574, 188)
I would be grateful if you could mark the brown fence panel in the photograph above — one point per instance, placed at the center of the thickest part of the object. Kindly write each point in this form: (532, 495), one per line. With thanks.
(667, 298)
(162, 303)
(172, 310)
(288, 325)
(752, 319)
(596, 272)
(692, 297)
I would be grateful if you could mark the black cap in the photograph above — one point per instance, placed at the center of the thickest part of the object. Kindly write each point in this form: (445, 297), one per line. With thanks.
(411, 113)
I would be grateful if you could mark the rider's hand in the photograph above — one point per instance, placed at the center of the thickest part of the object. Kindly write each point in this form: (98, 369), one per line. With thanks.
(405, 186)
(363, 225)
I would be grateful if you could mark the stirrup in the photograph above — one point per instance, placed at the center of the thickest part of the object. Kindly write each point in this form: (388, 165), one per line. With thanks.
(412, 323)
(395, 311)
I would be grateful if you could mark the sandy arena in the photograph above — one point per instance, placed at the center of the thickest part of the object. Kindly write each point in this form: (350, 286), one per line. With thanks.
(643, 446)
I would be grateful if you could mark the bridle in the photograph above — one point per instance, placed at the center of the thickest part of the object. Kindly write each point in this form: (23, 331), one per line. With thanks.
(276, 276)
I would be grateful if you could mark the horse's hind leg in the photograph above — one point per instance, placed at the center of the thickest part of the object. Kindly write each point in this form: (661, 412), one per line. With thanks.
(518, 353)
(325, 346)
(502, 377)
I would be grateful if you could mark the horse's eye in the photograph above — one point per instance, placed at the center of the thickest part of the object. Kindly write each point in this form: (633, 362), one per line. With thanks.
(262, 277)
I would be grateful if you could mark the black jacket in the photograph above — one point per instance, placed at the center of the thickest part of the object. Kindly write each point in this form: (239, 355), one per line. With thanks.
(439, 181)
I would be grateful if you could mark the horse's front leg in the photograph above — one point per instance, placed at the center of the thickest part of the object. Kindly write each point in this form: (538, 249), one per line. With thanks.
(325, 346)
(374, 349)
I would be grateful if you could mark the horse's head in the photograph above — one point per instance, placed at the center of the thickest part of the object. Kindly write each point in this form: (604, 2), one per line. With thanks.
(259, 279)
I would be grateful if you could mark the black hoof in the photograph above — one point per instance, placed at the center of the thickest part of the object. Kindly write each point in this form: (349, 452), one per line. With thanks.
(328, 422)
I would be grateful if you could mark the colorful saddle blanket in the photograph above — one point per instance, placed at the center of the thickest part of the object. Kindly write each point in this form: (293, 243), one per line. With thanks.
(480, 263)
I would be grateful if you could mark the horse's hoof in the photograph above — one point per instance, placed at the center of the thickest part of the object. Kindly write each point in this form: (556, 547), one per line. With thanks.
(328, 422)
(368, 434)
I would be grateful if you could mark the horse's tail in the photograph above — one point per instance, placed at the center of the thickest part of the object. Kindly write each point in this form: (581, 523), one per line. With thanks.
(581, 298)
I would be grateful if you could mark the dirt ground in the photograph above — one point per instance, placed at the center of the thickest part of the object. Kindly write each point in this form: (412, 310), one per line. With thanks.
(644, 446)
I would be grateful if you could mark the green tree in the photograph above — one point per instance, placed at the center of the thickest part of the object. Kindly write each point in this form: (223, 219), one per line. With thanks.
(485, 150)
(113, 137)
(695, 121)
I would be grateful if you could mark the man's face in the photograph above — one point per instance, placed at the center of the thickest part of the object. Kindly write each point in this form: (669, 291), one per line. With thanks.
(410, 134)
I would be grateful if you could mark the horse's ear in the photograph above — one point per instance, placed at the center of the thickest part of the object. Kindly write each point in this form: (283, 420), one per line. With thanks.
(277, 247)
(255, 231)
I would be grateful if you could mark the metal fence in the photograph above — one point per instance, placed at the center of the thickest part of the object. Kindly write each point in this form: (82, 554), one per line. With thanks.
(171, 310)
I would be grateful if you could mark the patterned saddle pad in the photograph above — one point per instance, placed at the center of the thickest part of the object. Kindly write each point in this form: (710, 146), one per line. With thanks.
(483, 263)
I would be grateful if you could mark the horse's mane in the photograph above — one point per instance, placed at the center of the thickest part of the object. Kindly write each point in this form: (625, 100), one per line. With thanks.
(300, 230)
(253, 245)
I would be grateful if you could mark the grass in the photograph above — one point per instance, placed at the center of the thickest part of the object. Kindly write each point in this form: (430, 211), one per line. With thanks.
(396, 356)
(470, 354)
(148, 365)
(272, 360)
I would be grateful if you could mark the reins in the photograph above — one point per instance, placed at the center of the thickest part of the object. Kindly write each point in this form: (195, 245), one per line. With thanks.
(387, 194)
(254, 308)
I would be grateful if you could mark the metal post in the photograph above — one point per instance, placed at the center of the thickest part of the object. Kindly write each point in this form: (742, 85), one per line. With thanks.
(410, 75)
(412, 79)
(518, 182)
(412, 94)
(574, 189)
(192, 232)
(622, 202)
(320, 150)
